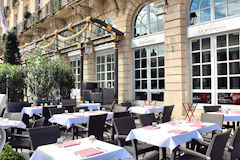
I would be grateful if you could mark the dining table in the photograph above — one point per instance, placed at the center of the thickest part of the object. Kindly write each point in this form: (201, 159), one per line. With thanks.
(32, 110)
(172, 134)
(142, 109)
(228, 115)
(6, 123)
(81, 149)
(67, 119)
(93, 106)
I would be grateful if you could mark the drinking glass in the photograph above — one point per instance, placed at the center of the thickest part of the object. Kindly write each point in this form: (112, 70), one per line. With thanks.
(183, 118)
(103, 109)
(51, 103)
(32, 105)
(193, 119)
(59, 140)
(66, 111)
(154, 124)
(45, 104)
(92, 101)
(92, 138)
(41, 104)
(82, 111)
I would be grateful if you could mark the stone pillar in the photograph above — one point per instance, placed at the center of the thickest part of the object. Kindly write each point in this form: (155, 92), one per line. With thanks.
(176, 56)
(89, 67)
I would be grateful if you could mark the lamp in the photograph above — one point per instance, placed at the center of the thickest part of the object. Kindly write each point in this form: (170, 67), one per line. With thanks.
(159, 7)
(88, 46)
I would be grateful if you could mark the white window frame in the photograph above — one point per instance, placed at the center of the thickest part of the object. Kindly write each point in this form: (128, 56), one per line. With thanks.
(214, 77)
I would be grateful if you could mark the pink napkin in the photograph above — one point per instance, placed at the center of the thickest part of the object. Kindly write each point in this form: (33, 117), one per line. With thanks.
(151, 127)
(219, 112)
(51, 105)
(198, 125)
(91, 111)
(235, 112)
(68, 143)
(195, 122)
(88, 152)
(36, 107)
(177, 131)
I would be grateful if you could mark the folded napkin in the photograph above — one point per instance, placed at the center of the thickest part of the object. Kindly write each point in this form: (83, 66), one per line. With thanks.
(177, 131)
(151, 127)
(36, 107)
(235, 112)
(195, 122)
(88, 152)
(68, 143)
(51, 105)
(198, 125)
(219, 112)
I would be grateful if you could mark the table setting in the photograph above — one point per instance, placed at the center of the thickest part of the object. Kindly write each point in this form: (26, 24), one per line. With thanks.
(6, 123)
(229, 115)
(86, 148)
(67, 119)
(145, 109)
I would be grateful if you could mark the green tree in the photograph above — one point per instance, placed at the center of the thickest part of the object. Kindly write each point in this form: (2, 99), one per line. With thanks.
(16, 83)
(50, 75)
(11, 50)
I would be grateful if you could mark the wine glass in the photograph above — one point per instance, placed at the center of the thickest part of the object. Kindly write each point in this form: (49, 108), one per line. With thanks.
(92, 138)
(154, 124)
(60, 141)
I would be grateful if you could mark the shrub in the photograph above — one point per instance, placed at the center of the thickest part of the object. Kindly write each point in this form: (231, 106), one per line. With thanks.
(36, 18)
(11, 50)
(51, 73)
(56, 5)
(15, 81)
(9, 154)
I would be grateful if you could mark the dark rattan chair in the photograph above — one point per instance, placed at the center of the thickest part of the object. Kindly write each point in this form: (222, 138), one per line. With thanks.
(38, 123)
(43, 136)
(214, 151)
(166, 114)
(123, 126)
(233, 151)
(146, 119)
(53, 111)
(46, 114)
(95, 126)
(211, 108)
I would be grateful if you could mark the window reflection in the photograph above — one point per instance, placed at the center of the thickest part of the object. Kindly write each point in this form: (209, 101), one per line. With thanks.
(202, 98)
(229, 98)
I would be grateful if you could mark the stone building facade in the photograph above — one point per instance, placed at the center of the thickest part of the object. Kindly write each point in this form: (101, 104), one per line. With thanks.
(172, 58)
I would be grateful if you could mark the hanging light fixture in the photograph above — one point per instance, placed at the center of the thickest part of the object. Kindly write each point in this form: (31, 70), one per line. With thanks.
(88, 46)
(160, 7)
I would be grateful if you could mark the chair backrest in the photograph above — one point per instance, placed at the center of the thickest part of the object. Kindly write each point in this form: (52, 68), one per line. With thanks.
(124, 125)
(127, 104)
(146, 119)
(121, 114)
(38, 122)
(211, 108)
(17, 117)
(235, 143)
(77, 109)
(212, 118)
(69, 102)
(43, 136)
(216, 148)
(166, 114)
(120, 109)
(46, 114)
(56, 111)
(96, 125)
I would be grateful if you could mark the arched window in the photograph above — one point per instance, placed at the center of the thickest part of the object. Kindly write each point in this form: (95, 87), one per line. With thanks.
(147, 22)
(207, 10)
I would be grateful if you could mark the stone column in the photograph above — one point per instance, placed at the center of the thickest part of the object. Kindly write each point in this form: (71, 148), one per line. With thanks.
(176, 56)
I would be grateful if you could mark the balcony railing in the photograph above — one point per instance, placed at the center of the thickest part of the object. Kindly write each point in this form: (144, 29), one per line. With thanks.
(66, 2)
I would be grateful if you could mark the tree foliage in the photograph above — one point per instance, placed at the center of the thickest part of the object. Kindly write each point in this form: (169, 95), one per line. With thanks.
(16, 81)
(51, 74)
(11, 50)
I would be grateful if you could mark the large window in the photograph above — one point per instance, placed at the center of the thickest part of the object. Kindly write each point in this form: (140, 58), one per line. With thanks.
(147, 22)
(149, 73)
(105, 70)
(216, 69)
(75, 65)
(207, 10)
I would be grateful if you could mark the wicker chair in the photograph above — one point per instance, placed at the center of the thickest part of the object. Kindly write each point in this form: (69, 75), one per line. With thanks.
(147, 119)
(166, 114)
(95, 126)
(53, 111)
(123, 126)
(215, 149)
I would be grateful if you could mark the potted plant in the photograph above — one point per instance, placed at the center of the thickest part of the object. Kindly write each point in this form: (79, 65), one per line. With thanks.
(9, 154)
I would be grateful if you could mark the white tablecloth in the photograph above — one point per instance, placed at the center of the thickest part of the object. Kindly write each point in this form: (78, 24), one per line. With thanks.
(145, 109)
(94, 106)
(231, 117)
(162, 138)
(31, 110)
(53, 152)
(10, 123)
(67, 119)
